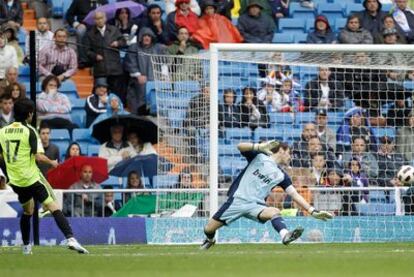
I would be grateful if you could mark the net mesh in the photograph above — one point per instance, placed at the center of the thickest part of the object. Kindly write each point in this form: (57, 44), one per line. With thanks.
(344, 116)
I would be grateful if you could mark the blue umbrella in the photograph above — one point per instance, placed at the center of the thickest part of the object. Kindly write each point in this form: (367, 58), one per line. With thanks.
(110, 10)
(146, 166)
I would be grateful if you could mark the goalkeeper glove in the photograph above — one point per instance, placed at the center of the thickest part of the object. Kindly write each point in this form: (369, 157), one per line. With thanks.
(265, 147)
(322, 215)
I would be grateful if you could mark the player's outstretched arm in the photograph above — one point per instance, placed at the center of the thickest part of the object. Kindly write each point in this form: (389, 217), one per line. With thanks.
(322, 215)
(264, 147)
(42, 158)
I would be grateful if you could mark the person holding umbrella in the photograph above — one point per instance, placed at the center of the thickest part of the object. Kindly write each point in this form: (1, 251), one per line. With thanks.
(117, 149)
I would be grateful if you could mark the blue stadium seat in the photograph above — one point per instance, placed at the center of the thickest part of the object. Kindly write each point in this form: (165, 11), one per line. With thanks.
(264, 134)
(291, 25)
(226, 82)
(390, 132)
(112, 181)
(375, 209)
(24, 70)
(386, 7)
(78, 103)
(150, 95)
(165, 181)
(78, 117)
(335, 118)
(304, 117)
(231, 70)
(186, 86)
(57, 8)
(352, 8)
(176, 117)
(331, 11)
(310, 25)
(93, 150)
(377, 196)
(59, 135)
(238, 134)
(339, 24)
(281, 118)
(63, 146)
(296, 10)
(229, 150)
(231, 166)
(68, 88)
(409, 85)
(22, 36)
(301, 37)
(83, 135)
(292, 134)
(283, 38)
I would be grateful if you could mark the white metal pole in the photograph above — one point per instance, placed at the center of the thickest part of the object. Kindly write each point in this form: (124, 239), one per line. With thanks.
(398, 206)
(214, 63)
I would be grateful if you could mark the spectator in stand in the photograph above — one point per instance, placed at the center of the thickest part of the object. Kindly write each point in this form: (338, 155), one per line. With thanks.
(141, 148)
(355, 124)
(405, 139)
(389, 23)
(253, 111)
(183, 16)
(6, 110)
(314, 146)
(224, 7)
(140, 69)
(73, 150)
(229, 112)
(77, 11)
(360, 152)
(372, 17)
(325, 134)
(215, 28)
(319, 169)
(301, 146)
(84, 204)
(11, 78)
(102, 42)
(389, 162)
(113, 107)
(12, 40)
(44, 37)
(280, 8)
(404, 17)
(51, 150)
(8, 56)
(110, 205)
(117, 149)
(154, 21)
(53, 107)
(59, 60)
(96, 103)
(324, 92)
(354, 33)
(171, 5)
(16, 92)
(182, 46)
(265, 4)
(11, 12)
(125, 24)
(42, 8)
(256, 26)
(322, 33)
(134, 181)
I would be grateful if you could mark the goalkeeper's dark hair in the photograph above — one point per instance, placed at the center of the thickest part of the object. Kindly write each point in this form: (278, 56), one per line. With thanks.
(281, 145)
(22, 108)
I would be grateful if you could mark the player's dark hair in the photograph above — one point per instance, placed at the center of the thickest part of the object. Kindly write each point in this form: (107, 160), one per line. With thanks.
(22, 108)
(48, 79)
(281, 145)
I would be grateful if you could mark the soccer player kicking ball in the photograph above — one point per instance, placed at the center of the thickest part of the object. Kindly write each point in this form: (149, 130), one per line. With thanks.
(21, 148)
(246, 196)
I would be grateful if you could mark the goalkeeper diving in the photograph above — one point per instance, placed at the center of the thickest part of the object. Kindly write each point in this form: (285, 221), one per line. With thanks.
(247, 194)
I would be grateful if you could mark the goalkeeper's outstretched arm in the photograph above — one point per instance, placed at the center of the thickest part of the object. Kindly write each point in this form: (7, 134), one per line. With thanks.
(322, 215)
(264, 147)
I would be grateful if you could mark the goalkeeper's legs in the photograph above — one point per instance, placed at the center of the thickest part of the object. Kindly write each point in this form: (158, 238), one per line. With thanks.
(25, 226)
(210, 231)
(273, 214)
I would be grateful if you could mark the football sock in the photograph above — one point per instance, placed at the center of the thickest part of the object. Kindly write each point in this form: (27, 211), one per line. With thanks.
(279, 225)
(25, 228)
(63, 223)
(210, 236)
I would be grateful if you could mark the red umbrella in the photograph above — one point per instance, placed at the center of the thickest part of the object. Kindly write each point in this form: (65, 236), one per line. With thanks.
(68, 173)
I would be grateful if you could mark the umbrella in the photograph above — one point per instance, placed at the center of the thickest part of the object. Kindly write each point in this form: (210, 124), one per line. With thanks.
(110, 10)
(146, 166)
(68, 173)
(146, 130)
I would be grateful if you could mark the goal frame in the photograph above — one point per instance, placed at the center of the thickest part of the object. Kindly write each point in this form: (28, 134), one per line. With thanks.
(215, 50)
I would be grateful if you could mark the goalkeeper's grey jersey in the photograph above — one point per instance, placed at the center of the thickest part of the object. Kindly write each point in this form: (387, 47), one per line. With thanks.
(259, 177)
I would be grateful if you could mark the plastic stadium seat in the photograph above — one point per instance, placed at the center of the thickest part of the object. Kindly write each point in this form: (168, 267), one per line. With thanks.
(310, 25)
(296, 10)
(59, 135)
(58, 7)
(24, 70)
(63, 146)
(283, 38)
(304, 117)
(78, 117)
(339, 24)
(377, 196)
(409, 85)
(376, 209)
(335, 118)
(238, 134)
(112, 181)
(281, 118)
(78, 103)
(263, 134)
(176, 117)
(93, 150)
(231, 70)
(165, 181)
(292, 134)
(331, 11)
(352, 8)
(301, 37)
(380, 132)
(229, 150)
(69, 89)
(187, 86)
(83, 134)
(291, 25)
(231, 166)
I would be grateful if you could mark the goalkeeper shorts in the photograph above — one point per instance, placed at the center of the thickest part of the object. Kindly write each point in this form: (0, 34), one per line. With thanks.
(234, 208)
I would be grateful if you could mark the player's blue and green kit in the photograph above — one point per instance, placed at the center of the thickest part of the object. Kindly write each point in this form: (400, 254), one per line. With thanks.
(248, 192)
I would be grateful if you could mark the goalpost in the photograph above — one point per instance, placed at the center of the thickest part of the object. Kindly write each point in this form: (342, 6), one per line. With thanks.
(197, 138)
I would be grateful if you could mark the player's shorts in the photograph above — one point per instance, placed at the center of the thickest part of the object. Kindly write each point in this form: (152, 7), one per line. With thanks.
(234, 208)
(39, 191)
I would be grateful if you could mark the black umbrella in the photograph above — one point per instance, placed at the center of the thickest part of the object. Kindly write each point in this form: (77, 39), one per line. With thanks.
(146, 130)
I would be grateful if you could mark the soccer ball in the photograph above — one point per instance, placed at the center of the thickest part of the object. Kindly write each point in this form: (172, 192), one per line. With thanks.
(406, 174)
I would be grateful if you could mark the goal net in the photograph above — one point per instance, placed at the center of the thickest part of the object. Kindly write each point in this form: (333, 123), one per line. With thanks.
(344, 113)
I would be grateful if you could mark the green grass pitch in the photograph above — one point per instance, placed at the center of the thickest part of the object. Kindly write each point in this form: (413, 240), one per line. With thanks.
(379, 259)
